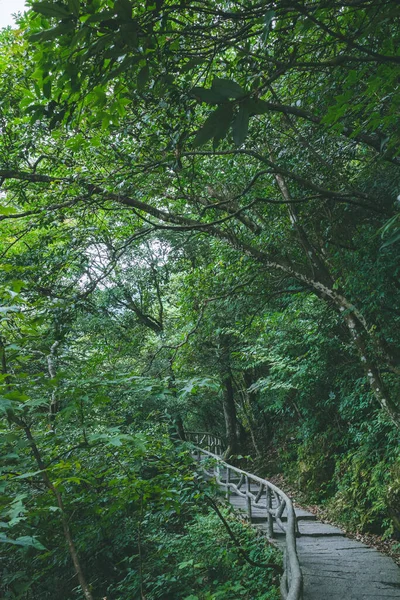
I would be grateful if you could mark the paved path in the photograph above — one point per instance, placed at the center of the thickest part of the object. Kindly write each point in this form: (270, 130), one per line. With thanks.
(335, 567)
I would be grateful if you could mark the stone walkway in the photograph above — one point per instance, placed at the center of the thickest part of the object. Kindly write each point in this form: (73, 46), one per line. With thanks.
(335, 567)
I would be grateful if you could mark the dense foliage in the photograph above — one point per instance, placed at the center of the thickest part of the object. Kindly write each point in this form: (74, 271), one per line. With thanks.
(199, 229)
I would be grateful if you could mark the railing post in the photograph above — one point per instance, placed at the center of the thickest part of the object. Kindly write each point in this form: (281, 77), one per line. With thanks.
(270, 523)
(228, 480)
(248, 497)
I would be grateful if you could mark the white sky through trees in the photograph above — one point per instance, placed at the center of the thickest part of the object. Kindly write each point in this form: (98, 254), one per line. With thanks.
(7, 8)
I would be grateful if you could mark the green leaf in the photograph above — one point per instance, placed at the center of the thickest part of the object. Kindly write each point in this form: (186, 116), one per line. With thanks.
(124, 9)
(51, 9)
(115, 441)
(53, 33)
(125, 64)
(215, 127)
(193, 62)
(223, 125)
(257, 107)
(207, 95)
(389, 224)
(74, 7)
(98, 46)
(7, 210)
(47, 88)
(38, 402)
(10, 457)
(143, 77)
(392, 240)
(16, 396)
(6, 406)
(269, 15)
(25, 540)
(98, 17)
(227, 88)
(240, 125)
(28, 475)
(186, 563)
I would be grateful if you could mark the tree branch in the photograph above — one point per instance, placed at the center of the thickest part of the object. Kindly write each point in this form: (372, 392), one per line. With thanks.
(278, 569)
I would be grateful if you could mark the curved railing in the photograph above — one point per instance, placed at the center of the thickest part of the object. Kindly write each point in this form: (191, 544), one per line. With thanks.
(209, 441)
(261, 496)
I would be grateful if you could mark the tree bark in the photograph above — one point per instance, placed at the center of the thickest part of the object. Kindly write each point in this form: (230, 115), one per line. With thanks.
(355, 322)
(370, 369)
(51, 366)
(229, 407)
(248, 411)
(64, 519)
(4, 369)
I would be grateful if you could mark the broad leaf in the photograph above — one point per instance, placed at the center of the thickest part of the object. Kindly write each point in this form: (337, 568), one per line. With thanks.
(53, 33)
(269, 15)
(28, 475)
(74, 6)
(7, 210)
(124, 9)
(240, 125)
(216, 126)
(24, 540)
(98, 17)
(257, 107)
(51, 9)
(6, 406)
(227, 88)
(392, 240)
(143, 77)
(207, 95)
(47, 88)
(223, 125)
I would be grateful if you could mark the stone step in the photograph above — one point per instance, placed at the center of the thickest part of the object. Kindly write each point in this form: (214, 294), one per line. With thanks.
(311, 529)
(258, 513)
(318, 529)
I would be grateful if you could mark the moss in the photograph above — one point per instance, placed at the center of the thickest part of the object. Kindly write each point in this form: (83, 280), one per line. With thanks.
(359, 487)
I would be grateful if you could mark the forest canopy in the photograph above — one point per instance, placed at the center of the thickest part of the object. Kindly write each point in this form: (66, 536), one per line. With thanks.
(199, 230)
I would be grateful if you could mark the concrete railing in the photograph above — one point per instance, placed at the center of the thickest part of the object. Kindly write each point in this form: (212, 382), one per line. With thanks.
(261, 496)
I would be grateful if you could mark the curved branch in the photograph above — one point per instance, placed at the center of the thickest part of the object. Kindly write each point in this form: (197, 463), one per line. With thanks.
(235, 540)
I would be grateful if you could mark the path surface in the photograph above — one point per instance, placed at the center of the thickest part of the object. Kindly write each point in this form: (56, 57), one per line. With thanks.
(335, 567)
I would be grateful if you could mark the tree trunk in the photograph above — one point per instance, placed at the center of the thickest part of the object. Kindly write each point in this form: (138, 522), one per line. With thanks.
(229, 407)
(370, 368)
(65, 522)
(249, 413)
(178, 421)
(323, 284)
(4, 369)
(180, 428)
(51, 366)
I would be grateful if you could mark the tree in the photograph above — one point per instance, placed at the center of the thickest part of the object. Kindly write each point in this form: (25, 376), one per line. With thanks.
(327, 142)
(198, 220)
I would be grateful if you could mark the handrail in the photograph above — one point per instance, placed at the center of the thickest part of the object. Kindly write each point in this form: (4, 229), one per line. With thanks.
(266, 495)
(214, 443)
